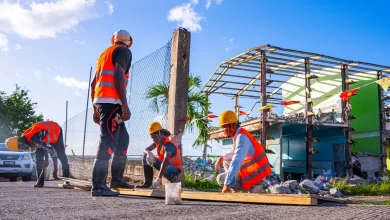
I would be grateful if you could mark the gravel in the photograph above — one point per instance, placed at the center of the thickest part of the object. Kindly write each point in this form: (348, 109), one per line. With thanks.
(22, 201)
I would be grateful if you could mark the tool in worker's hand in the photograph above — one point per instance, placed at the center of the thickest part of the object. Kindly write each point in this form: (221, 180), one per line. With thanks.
(37, 184)
(156, 183)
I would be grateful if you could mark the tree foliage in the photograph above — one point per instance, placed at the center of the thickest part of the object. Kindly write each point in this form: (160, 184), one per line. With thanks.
(197, 106)
(17, 113)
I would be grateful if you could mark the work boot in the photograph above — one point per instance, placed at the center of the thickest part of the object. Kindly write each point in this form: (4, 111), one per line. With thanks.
(41, 177)
(65, 170)
(99, 176)
(118, 166)
(148, 174)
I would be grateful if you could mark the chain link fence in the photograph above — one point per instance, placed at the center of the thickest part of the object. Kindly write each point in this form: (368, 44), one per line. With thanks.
(145, 73)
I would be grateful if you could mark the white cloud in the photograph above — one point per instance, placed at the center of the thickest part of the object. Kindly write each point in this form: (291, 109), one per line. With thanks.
(78, 93)
(186, 17)
(18, 75)
(195, 2)
(3, 42)
(79, 42)
(18, 47)
(110, 7)
(71, 82)
(47, 19)
(208, 3)
(229, 43)
(37, 75)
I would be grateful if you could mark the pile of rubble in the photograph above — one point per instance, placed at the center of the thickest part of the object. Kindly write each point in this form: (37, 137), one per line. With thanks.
(320, 185)
(199, 168)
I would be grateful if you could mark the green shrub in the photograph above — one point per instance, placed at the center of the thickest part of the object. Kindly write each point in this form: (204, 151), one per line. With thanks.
(190, 182)
(365, 189)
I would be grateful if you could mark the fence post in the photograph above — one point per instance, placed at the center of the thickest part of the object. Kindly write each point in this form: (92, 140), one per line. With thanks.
(178, 87)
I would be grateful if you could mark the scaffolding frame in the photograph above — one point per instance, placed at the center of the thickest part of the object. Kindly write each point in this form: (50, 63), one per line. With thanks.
(288, 63)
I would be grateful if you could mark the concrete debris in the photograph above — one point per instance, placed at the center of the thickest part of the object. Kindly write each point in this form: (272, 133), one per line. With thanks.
(266, 183)
(278, 189)
(356, 180)
(319, 181)
(291, 184)
(256, 189)
(201, 168)
(334, 192)
(309, 186)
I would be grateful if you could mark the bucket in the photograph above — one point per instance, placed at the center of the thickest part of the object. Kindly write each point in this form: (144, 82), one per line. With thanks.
(173, 193)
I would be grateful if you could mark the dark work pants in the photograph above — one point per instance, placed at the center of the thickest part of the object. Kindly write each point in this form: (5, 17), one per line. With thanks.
(114, 138)
(60, 149)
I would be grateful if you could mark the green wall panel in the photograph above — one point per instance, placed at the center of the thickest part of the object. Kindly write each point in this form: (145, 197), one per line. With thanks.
(365, 106)
(370, 145)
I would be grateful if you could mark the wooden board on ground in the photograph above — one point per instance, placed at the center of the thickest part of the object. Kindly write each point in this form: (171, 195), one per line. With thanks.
(75, 184)
(285, 199)
(327, 199)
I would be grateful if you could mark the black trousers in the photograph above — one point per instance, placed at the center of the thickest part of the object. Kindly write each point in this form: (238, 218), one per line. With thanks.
(114, 138)
(60, 148)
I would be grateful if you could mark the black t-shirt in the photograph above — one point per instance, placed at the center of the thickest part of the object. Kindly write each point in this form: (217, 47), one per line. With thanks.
(123, 56)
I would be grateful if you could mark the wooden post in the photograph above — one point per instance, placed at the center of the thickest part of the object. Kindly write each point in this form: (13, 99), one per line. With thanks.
(263, 99)
(178, 87)
(309, 120)
(346, 113)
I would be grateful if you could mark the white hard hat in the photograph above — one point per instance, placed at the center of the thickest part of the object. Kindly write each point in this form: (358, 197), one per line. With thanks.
(122, 36)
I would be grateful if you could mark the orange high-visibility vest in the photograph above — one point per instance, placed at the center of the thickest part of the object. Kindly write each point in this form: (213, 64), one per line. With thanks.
(173, 160)
(53, 131)
(254, 169)
(105, 90)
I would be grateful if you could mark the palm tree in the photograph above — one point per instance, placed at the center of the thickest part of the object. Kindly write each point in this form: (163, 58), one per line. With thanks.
(197, 106)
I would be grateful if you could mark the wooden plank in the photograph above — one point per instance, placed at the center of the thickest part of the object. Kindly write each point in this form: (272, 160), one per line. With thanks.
(66, 186)
(285, 199)
(322, 198)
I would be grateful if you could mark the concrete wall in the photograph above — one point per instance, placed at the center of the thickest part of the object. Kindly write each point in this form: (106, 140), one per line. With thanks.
(82, 168)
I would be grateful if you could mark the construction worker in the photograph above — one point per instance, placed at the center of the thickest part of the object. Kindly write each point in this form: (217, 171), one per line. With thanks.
(249, 163)
(47, 138)
(168, 160)
(108, 93)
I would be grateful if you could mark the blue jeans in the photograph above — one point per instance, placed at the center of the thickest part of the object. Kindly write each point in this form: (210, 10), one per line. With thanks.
(170, 172)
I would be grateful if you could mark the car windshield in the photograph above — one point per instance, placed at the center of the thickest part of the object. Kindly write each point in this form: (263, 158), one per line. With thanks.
(3, 148)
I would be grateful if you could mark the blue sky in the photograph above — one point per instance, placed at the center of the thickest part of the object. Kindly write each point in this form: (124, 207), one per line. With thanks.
(49, 46)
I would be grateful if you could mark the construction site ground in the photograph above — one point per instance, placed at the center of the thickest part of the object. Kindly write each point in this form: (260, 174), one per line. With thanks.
(21, 201)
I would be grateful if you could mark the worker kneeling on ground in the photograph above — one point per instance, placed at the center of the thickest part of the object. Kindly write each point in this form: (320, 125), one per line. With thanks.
(249, 164)
(47, 138)
(168, 160)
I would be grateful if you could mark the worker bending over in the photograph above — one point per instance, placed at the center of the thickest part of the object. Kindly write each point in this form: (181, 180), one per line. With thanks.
(47, 138)
(108, 93)
(249, 163)
(168, 160)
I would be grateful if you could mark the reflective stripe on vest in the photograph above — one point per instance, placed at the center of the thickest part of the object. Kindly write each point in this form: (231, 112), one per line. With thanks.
(52, 128)
(173, 160)
(105, 89)
(255, 169)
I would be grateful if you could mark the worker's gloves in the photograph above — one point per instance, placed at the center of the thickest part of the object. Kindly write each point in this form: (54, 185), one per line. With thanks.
(156, 183)
(150, 159)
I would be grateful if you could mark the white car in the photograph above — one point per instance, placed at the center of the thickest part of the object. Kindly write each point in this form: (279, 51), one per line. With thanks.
(15, 164)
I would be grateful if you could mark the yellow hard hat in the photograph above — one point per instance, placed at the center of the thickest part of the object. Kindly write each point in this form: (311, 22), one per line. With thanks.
(154, 127)
(227, 117)
(12, 144)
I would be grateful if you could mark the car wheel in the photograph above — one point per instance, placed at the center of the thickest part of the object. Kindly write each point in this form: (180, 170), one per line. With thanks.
(26, 178)
(13, 179)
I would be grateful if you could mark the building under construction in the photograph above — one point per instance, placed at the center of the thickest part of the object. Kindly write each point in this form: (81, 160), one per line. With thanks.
(317, 132)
